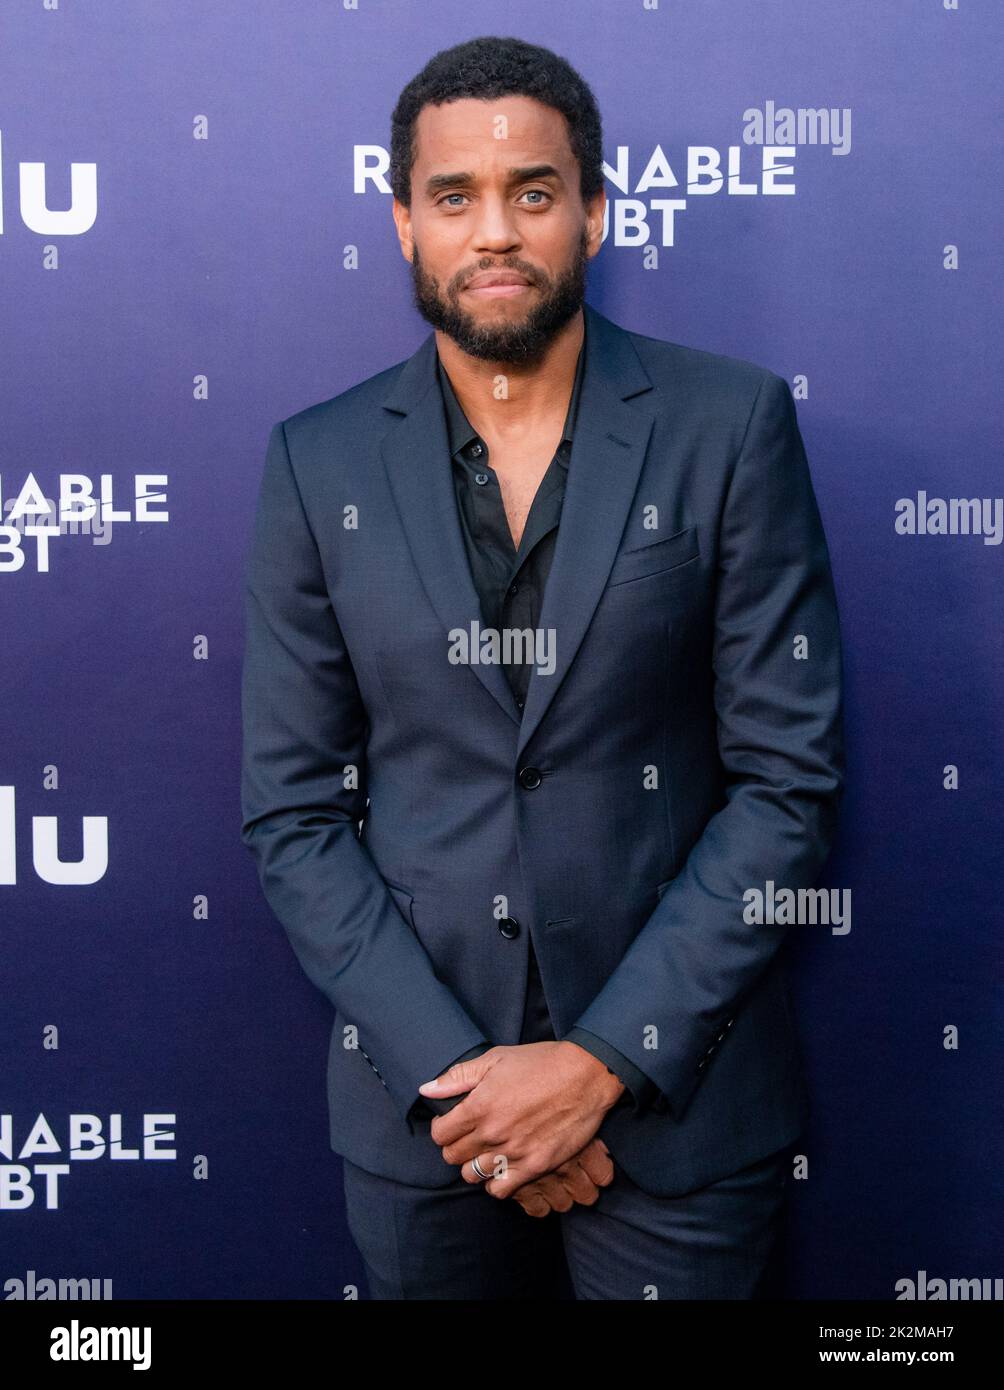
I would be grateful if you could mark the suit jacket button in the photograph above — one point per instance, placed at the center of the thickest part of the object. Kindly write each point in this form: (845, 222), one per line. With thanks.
(509, 928)
(529, 777)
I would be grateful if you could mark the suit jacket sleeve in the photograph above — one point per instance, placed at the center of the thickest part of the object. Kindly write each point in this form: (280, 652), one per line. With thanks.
(780, 741)
(304, 725)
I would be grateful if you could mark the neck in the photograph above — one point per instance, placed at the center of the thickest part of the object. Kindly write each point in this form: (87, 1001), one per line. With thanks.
(533, 395)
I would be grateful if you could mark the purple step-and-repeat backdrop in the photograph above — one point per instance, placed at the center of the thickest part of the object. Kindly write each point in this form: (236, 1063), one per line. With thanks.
(196, 241)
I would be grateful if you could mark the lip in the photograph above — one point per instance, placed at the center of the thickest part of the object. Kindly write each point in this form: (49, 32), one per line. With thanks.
(498, 284)
(500, 291)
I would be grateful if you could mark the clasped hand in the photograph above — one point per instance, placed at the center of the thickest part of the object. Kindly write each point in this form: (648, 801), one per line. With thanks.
(530, 1119)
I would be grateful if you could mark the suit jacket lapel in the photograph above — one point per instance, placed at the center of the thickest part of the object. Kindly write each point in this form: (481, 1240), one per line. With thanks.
(608, 451)
(416, 455)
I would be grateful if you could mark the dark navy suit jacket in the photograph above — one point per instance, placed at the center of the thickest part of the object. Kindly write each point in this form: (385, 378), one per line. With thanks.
(686, 748)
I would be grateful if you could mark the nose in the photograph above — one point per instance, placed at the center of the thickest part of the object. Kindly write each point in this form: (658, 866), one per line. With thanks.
(494, 228)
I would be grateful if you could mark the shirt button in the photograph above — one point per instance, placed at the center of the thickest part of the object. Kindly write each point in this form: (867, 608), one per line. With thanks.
(514, 588)
(519, 703)
(481, 478)
(529, 777)
(509, 928)
(476, 450)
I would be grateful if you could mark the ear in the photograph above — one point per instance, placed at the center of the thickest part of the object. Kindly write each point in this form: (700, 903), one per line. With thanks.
(402, 220)
(595, 211)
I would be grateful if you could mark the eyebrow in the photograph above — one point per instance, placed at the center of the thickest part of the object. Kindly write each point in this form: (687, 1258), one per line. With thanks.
(513, 175)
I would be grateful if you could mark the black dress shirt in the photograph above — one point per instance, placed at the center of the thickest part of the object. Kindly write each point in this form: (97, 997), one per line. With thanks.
(510, 583)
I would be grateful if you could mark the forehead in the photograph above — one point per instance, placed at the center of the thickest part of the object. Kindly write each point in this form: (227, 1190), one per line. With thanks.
(498, 132)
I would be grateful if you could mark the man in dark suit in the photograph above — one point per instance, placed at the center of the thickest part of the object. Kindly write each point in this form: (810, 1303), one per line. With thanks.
(542, 676)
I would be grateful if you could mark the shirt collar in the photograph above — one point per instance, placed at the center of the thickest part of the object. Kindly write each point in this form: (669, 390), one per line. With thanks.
(459, 427)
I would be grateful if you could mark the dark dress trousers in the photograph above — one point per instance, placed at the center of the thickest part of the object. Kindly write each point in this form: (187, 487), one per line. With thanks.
(415, 830)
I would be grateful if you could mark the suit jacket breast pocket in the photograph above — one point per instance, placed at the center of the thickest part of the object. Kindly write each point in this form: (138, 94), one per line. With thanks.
(655, 558)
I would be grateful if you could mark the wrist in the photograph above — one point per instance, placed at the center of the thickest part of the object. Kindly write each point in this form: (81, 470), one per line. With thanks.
(608, 1087)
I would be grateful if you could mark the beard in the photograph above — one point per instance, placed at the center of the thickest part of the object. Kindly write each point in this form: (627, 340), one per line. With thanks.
(512, 342)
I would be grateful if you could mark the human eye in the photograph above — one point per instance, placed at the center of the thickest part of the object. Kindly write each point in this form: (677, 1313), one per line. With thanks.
(539, 193)
(444, 201)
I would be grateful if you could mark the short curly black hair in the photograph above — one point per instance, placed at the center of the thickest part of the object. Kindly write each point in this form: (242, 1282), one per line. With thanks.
(490, 67)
